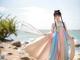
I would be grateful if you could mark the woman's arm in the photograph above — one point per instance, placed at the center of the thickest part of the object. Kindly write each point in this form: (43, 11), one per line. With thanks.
(72, 53)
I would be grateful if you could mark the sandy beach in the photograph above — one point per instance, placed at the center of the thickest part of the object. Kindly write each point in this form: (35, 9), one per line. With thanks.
(11, 52)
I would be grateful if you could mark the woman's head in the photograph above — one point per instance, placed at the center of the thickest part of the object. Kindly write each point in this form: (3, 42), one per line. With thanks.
(57, 15)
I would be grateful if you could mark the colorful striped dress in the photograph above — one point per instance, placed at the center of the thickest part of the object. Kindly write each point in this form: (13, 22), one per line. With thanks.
(59, 44)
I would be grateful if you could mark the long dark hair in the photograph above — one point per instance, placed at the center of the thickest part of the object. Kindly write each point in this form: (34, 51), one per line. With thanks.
(58, 13)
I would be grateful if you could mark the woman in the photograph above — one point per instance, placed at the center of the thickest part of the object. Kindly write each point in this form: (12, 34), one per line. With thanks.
(60, 39)
(55, 45)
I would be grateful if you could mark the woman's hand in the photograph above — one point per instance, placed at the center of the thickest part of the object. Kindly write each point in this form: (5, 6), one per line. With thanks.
(72, 53)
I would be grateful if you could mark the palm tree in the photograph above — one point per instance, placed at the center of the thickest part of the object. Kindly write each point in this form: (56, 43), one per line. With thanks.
(7, 27)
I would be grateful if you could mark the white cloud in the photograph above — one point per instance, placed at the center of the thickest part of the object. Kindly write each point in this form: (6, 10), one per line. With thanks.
(41, 18)
(2, 9)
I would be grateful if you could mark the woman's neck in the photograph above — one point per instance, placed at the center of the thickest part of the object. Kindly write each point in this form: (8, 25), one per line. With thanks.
(57, 21)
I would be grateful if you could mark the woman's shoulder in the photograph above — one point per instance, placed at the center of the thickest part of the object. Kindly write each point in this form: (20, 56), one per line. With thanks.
(53, 23)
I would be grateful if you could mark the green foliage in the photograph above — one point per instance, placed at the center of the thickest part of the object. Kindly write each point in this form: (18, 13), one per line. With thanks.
(7, 27)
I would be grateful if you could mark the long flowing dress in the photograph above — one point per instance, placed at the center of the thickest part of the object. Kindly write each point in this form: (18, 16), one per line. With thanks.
(50, 47)
(59, 46)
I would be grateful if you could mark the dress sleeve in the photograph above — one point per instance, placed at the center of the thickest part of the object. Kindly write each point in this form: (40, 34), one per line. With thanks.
(72, 45)
(52, 27)
(67, 33)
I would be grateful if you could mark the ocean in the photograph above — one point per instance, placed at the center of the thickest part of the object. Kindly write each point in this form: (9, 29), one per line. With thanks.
(30, 36)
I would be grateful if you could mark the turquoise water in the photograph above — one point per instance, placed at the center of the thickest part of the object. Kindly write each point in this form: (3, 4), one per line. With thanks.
(26, 36)
(75, 34)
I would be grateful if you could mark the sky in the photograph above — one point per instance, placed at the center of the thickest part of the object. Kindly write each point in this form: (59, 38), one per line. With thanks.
(39, 13)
